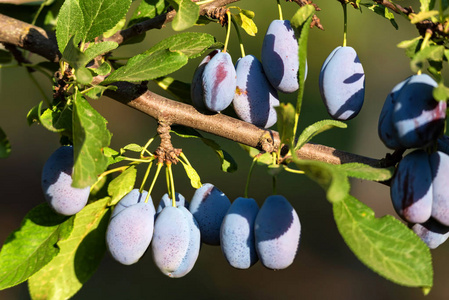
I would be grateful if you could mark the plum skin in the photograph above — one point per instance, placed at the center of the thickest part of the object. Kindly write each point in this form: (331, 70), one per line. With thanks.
(196, 88)
(209, 206)
(280, 56)
(342, 83)
(277, 233)
(130, 228)
(254, 98)
(219, 82)
(166, 201)
(237, 233)
(56, 182)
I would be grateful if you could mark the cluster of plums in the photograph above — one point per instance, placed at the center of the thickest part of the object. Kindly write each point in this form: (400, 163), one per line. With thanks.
(175, 233)
(411, 118)
(251, 85)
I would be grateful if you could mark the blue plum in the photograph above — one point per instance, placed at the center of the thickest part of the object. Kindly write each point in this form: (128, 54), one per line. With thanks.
(167, 201)
(237, 233)
(196, 88)
(277, 233)
(209, 206)
(439, 164)
(254, 98)
(432, 233)
(56, 182)
(443, 144)
(411, 117)
(342, 83)
(176, 241)
(219, 82)
(280, 56)
(411, 187)
(130, 229)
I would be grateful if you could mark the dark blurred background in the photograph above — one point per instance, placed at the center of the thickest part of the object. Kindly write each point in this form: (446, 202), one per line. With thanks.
(324, 268)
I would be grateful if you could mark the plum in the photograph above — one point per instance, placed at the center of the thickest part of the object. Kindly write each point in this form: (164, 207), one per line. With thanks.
(237, 233)
(219, 82)
(432, 233)
(167, 201)
(130, 228)
(439, 164)
(411, 117)
(411, 187)
(280, 56)
(254, 98)
(196, 88)
(342, 83)
(209, 206)
(176, 241)
(277, 233)
(56, 182)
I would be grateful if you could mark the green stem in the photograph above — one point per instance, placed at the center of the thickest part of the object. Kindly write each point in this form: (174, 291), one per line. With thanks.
(345, 22)
(167, 181)
(145, 177)
(274, 185)
(204, 2)
(137, 159)
(146, 146)
(236, 26)
(249, 176)
(41, 7)
(281, 17)
(172, 184)
(228, 32)
(158, 170)
(105, 173)
(293, 170)
(185, 159)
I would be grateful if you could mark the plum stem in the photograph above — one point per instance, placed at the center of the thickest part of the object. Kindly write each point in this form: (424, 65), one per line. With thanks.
(172, 184)
(228, 31)
(158, 170)
(249, 175)
(145, 177)
(345, 23)
(281, 17)
(236, 26)
(144, 149)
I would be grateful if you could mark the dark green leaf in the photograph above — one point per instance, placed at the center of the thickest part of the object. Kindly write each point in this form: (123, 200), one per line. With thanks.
(56, 120)
(147, 9)
(83, 75)
(112, 155)
(187, 14)
(5, 146)
(103, 70)
(79, 256)
(70, 24)
(285, 123)
(384, 244)
(228, 164)
(102, 15)
(433, 53)
(317, 128)
(148, 66)
(441, 93)
(411, 46)
(178, 89)
(73, 55)
(90, 136)
(191, 44)
(33, 245)
(122, 185)
(97, 91)
(383, 11)
(98, 49)
(366, 172)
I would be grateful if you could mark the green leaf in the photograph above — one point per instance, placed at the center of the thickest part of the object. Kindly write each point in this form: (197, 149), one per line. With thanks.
(186, 16)
(112, 155)
(441, 92)
(411, 46)
(384, 244)
(329, 177)
(263, 159)
(148, 66)
(122, 185)
(246, 23)
(195, 179)
(73, 55)
(5, 57)
(119, 26)
(56, 120)
(83, 75)
(98, 49)
(285, 122)
(33, 245)
(97, 91)
(423, 15)
(131, 147)
(80, 255)
(70, 24)
(301, 21)
(431, 53)
(90, 136)
(103, 70)
(427, 5)
(362, 171)
(191, 44)
(5, 145)
(383, 11)
(147, 9)
(178, 89)
(102, 15)
(228, 163)
(317, 128)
